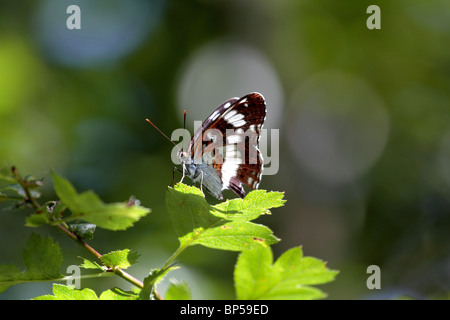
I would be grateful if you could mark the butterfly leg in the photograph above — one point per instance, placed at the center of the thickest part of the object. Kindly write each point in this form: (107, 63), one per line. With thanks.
(201, 183)
(173, 175)
(183, 172)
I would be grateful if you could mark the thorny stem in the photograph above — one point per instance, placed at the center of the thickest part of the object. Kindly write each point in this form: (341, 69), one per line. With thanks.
(64, 228)
(81, 242)
(24, 184)
(87, 247)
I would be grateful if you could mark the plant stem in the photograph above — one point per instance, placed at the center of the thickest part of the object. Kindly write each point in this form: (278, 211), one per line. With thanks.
(75, 238)
(124, 275)
(174, 256)
(26, 189)
(64, 228)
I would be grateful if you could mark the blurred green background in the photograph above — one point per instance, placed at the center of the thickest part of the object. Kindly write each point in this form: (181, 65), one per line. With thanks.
(363, 118)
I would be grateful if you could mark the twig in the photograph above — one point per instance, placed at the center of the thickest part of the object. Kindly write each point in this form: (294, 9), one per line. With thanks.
(63, 227)
(24, 184)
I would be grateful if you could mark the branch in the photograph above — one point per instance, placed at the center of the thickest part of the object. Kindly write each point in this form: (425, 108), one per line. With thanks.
(63, 227)
(26, 188)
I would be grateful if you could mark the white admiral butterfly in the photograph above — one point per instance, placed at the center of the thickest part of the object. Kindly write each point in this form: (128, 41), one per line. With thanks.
(224, 154)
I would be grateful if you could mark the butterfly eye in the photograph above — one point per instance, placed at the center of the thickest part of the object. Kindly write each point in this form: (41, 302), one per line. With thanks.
(182, 154)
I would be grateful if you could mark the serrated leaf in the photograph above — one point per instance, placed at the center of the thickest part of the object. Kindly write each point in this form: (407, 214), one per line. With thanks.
(178, 291)
(155, 276)
(236, 236)
(37, 220)
(87, 264)
(188, 209)
(120, 258)
(256, 203)
(288, 278)
(9, 276)
(225, 226)
(42, 258)
(118, 294)
(63, 292)
(88, 206)
(305, 270)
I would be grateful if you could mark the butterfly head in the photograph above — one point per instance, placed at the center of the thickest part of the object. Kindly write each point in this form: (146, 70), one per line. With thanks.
(183, 156)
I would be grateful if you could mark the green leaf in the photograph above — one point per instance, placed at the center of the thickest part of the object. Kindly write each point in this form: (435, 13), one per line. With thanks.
(53, 212)
(235, 236)
(9, 275)
(42, 258)
(89, 207)
(256, 203)
(87, 264)
(224, 226)
(118, 294)
(5, 176)
(155, 276)
(37, 220)
(288, 278)
(17, 189)
(120, 258)
(178, 291)
(62, 292)
(5, 196)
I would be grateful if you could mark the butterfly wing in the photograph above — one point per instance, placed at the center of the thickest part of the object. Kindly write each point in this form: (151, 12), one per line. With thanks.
(235, 125)
(196, 145)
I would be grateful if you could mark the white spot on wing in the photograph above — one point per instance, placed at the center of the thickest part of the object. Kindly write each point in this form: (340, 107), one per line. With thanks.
(234, 139)
(229, 170)
(239, 123)
(230, 114)
(236, 117)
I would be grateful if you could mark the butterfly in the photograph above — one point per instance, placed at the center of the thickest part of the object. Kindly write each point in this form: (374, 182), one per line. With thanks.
(223, 153)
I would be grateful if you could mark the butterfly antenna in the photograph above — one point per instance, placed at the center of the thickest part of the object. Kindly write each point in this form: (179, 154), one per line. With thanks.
(161, 132)
(184, 123)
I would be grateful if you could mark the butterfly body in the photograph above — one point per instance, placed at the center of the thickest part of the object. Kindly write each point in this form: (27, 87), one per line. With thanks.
(206, 176)
(224, 154)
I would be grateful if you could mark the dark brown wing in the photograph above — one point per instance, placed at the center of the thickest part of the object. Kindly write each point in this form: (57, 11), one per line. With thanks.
(236, 125)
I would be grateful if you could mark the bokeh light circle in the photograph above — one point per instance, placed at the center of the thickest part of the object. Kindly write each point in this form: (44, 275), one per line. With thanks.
(222, 70)
(340, 127)
(110, 29)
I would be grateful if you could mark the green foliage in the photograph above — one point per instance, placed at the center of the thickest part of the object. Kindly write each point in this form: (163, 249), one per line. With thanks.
(226, 226)
(178, 291)
(88, 206)
(62, 292)
(120, 258)
(288, 278)
(155, 276)
(42, 258)
(87, 264)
